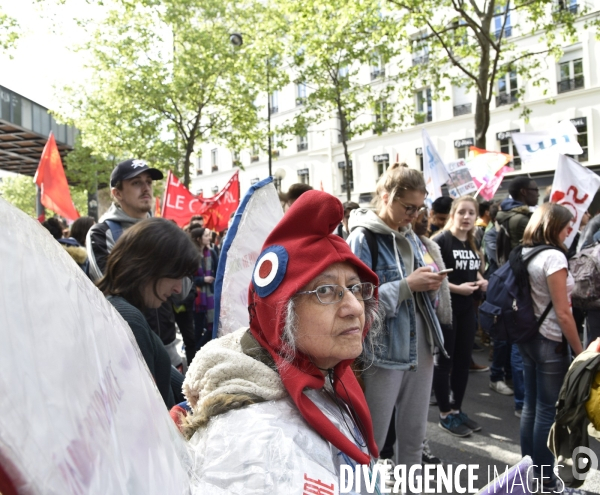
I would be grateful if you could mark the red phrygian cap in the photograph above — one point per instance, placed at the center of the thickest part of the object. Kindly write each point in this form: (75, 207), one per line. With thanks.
(298, 249)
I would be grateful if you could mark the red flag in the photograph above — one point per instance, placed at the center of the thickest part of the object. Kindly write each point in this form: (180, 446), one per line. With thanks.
(157, 207)
(52, 181)
(180, 204)
(220, 207)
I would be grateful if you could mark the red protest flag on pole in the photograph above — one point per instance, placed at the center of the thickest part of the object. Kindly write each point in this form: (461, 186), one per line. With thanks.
(52, 181)
(220, 207)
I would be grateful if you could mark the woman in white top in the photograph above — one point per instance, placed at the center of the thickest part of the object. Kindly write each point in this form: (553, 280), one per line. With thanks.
(546, 358)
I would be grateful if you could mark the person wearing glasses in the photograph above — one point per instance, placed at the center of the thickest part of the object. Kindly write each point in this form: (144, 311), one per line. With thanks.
(514, 215)
(276, 407)
(402, 368)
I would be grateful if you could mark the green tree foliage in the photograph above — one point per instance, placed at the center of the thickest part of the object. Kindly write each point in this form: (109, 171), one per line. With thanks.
(330, 42)
(469, 43)
(20, 191)
(165, 77)
(85, 170)
(9, 31)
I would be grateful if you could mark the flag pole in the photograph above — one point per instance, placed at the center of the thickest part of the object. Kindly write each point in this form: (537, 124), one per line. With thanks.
(40, 211)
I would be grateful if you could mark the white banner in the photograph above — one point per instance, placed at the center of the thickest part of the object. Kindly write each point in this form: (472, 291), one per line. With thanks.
(79, 410)
(541, 145)
(434, 170)
(257, 215)
(574, 187)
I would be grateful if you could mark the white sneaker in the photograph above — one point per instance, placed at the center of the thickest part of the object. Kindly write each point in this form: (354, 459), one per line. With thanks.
(389, 481)
(501, 388)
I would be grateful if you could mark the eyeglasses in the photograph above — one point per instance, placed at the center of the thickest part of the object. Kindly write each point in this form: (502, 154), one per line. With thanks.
(331, 294)
(411, 209)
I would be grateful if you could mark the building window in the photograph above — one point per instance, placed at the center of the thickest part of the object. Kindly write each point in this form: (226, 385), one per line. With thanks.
(507, 146)
(419, 155)
(236, 160)
(303, 176)
(382, 167)
(274, 100)
(377, 67)
(423, 109)
(462, 152)
(342, 168)
(300, 94)
(277, 184)
(380, 117)
(254, 157)
(582, 138)
(571, 75)
(419, 49)
(302, 142)
(499, 19)
(507, 89)
(214, 160)
(199, 165)
(343, 72)
(568, 5)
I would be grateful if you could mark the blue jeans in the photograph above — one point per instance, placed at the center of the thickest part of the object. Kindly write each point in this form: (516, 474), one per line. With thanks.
(544, 370)
(507, 363)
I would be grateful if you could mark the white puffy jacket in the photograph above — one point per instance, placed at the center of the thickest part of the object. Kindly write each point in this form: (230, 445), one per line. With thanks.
(250, 437)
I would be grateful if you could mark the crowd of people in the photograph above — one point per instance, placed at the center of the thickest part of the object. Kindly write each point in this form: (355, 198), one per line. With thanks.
(359, 319)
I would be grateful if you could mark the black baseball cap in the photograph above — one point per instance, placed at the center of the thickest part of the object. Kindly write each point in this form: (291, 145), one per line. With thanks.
(132, 168)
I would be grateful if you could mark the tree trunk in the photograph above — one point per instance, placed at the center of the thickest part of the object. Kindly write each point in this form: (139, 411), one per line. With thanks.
(484, 91)
(189, 149)
(343, 132)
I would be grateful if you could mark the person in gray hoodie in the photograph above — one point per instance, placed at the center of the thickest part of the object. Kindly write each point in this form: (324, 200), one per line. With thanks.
(408, 293)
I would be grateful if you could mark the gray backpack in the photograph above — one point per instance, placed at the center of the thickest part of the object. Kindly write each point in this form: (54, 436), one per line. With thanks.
(585, 268)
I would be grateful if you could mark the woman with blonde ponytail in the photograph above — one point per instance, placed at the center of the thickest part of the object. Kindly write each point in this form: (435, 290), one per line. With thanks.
(402, 361)
(451, 374)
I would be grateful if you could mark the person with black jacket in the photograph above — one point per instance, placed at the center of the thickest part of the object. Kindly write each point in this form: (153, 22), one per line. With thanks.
(143, 271)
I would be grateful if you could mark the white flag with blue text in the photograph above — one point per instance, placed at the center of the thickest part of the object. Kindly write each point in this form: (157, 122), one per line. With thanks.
(434, 170)
(544, 145)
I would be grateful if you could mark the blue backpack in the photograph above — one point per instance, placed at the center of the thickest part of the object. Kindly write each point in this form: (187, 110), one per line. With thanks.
(507, 313)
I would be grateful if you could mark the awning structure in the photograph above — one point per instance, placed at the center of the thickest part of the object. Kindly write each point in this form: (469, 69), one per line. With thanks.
(24, 130)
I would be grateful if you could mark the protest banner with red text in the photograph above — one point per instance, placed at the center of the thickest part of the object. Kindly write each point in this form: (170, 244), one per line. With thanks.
(180, 204)
(574, 187)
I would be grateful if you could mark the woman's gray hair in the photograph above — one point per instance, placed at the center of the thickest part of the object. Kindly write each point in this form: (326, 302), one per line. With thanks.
(374, 319)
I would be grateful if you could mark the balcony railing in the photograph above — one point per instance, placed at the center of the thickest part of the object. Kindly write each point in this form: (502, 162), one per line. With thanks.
(199, 171)
(300, 100)
(420, 59)
(214, 168)
(236, 163)
(505, 99)
(462, 109)
(571, 84)
(254, 158)
(377, 73)
(302, 146)
(274, 109)
(421, 118)
(275, 153)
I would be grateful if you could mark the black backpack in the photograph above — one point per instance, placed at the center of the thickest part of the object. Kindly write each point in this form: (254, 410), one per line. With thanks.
(372, 243)
(507, 313)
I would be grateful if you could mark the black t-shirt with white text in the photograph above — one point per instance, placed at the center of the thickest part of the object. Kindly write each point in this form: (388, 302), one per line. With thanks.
(459, 256)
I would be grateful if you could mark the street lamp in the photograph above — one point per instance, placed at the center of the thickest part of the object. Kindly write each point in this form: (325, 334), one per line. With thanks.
(237, 40)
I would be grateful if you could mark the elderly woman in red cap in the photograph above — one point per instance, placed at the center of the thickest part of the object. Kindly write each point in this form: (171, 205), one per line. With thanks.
(276, 407)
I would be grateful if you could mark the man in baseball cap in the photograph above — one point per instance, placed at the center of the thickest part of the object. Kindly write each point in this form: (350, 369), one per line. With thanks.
(131, 189)
(132, 168)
